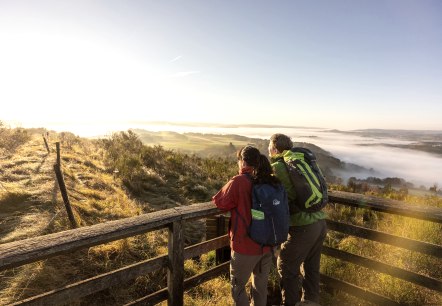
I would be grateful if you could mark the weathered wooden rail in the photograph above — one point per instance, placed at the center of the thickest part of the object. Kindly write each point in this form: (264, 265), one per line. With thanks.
(431, 214)
(22, 252)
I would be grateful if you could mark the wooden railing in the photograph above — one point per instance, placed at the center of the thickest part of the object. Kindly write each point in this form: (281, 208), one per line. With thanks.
(431, 214)
(22, 252)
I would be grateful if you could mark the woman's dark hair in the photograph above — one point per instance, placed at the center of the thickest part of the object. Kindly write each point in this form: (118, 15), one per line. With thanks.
(250, 155)
(263, 172)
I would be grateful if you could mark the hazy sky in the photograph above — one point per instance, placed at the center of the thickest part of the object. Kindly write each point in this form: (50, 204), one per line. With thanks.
(337, 64)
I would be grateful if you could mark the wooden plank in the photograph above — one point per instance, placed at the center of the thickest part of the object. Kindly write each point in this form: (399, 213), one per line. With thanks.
(357, 291)
(433, 214)
(409, 276)
(206, 246)
(409, 244)
(214, 228)
(222, 227)
(189, 283)
(197, 211)
(207, 275)
(175, 271)
(151, 299)
(73, 292)
(118, 277)
(17, 253)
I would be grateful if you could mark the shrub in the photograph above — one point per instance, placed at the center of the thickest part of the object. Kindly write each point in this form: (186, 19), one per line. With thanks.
(182, 177)
(11, 139)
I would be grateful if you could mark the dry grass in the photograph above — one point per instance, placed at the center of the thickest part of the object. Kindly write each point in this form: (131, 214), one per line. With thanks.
(31, 205)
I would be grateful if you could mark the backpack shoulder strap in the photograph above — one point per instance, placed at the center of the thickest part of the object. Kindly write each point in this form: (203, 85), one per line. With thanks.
(295, 207)
(288, 171)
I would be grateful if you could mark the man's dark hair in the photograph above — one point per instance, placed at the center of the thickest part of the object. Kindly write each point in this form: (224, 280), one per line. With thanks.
(281, 142)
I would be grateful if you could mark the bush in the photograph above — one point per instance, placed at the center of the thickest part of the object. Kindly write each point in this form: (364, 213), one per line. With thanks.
(182, 177)
(11, 139)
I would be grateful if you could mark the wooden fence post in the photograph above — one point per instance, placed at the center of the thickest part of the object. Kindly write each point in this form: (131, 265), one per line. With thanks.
(46, 143)
(175, 272)
(64, 195)
(223, 254)
(57, 145)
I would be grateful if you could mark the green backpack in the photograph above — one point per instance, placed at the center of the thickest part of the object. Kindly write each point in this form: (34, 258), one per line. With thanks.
(307, 180)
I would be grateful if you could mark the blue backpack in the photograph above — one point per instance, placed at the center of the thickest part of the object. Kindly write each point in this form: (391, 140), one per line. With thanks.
(270, 215)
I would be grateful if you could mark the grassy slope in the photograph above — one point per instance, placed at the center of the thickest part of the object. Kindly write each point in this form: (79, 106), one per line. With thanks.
(27, 192)
(31, 205)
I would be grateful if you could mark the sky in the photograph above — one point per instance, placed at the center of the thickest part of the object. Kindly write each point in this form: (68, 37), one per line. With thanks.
(333, 64)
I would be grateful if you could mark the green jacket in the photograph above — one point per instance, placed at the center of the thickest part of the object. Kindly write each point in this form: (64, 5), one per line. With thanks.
(299, 218)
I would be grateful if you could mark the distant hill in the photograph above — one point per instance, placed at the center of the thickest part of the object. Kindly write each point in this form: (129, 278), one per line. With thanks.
(429, 141)
(203, 145)
(412, 135)
(214, 145)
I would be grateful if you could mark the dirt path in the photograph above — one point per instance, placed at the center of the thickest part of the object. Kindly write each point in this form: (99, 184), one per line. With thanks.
(27, 191)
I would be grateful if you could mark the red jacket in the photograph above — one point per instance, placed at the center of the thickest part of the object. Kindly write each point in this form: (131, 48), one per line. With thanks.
(237, 193)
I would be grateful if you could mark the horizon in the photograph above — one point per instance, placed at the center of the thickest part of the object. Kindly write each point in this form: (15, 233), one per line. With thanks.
(95, 129)
(371, 150)
(290, 63)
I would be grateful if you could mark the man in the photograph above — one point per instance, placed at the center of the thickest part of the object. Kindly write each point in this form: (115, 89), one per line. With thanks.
(306, 235)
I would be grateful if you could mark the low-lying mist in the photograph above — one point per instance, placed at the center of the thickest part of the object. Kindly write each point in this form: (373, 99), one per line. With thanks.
(419, 168)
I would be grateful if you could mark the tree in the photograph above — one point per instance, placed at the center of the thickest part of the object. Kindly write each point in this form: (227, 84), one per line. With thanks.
(434, 188)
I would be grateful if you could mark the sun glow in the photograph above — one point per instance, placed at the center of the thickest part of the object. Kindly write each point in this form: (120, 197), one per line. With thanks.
(48, 77)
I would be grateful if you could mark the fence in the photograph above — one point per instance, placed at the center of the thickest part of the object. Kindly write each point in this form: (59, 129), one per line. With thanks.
(430, 214)
(18, 253)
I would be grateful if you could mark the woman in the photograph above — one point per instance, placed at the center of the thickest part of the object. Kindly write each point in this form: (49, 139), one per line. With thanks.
(247, 257)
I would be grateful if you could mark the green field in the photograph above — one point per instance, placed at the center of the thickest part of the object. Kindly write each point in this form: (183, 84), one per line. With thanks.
(200, 144)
